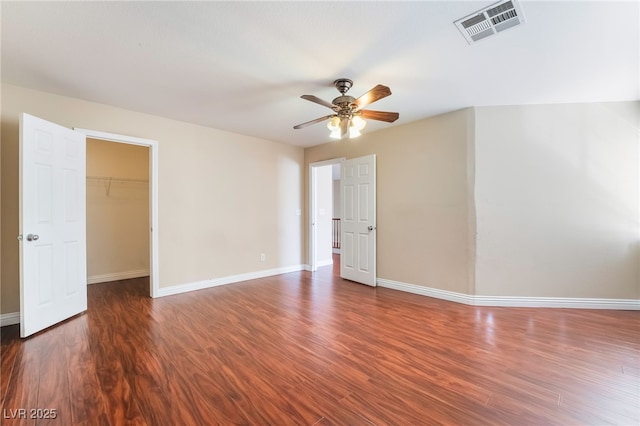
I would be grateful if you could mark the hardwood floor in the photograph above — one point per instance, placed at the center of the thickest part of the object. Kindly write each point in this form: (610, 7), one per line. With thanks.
(312, 349)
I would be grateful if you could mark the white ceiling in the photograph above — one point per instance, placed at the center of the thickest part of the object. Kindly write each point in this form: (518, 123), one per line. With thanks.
(242, 66)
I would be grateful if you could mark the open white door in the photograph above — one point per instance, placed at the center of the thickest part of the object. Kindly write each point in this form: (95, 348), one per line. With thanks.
(53, 277)
(358, 189)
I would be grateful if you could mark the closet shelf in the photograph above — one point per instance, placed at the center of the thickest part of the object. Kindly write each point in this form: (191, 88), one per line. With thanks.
(108, 180)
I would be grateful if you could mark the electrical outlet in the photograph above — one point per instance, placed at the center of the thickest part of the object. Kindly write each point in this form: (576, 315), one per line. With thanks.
(263, 257)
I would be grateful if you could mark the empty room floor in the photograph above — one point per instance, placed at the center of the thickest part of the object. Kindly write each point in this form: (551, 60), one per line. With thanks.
(313, 349)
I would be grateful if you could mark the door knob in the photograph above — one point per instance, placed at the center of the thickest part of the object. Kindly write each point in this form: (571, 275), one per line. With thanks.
(33, 237)
(371, 228)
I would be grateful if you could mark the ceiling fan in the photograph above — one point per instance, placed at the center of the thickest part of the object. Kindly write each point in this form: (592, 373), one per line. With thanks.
(348, 117)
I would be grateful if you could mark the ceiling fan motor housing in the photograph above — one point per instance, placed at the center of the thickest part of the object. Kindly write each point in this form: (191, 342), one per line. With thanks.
(343, 85)
(343, 101)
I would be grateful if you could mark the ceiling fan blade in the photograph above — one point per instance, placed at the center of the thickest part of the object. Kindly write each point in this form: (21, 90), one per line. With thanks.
(309, 123)
(373, 95)
(344, 127)
(317, 100)
(389, 117)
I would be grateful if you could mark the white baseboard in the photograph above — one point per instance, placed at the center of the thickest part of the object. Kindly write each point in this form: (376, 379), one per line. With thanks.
(117, 276)
(426, 291)
(558, 302)
(514, 301)
(9, 319)
(200, 285)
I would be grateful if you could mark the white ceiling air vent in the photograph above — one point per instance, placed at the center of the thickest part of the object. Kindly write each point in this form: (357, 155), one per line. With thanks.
(490, 20)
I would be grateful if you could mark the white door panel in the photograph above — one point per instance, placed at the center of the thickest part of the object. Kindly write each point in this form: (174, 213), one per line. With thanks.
(358, 189)
(52, 224)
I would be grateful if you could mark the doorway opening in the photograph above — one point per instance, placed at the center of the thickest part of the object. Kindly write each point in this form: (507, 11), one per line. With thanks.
(325, 214)
(117, 203)
(121, 183)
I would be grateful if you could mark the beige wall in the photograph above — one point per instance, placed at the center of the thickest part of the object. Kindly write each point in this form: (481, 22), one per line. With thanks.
(424, 230)
(530, 201)
(224, 198)
(554, 191)
(557, 200)
(117, 210)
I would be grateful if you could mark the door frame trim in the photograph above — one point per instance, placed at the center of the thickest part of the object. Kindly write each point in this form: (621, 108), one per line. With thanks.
(312, 206)
(153, 196)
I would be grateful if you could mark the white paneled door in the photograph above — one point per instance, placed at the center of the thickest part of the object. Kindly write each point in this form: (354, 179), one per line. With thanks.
(358, 250)
(53, 278)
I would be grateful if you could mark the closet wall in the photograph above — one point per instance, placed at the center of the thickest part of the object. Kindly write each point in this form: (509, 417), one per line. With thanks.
(117, 211)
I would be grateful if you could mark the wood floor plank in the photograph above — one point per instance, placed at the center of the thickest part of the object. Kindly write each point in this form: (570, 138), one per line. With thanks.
(313, 349)
(53, 389)
(24, 385)
(9, 356)
(89, 396)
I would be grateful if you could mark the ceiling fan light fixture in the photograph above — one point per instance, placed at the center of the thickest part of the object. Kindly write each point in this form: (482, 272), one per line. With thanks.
(358, 123)
(334, 124)
(355, 125)
(335, 133)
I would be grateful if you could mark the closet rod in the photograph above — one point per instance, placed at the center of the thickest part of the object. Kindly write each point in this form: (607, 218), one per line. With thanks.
(112, 179)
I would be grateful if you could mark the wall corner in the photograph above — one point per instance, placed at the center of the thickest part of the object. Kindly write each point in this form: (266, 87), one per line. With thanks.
(471, 204)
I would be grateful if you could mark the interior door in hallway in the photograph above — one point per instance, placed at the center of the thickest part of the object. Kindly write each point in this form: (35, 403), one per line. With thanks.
(358, 190)
(53, 277)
